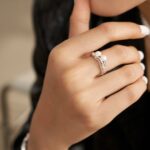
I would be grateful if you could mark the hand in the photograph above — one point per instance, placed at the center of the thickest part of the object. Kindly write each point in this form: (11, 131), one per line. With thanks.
(75, 103)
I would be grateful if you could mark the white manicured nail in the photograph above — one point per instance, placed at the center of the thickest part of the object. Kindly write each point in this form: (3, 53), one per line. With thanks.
(144, 30)
(143, 66)
(145, 79)
(141, 55)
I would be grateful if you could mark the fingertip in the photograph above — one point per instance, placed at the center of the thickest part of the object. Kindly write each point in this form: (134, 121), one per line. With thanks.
(145, 79)
(144, 30)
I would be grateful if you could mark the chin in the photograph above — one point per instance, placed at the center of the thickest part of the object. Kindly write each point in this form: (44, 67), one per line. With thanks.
(108, 9)
(109, 13)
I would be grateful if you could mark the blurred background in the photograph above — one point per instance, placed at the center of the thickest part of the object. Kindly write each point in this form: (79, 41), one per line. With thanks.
(16, 72)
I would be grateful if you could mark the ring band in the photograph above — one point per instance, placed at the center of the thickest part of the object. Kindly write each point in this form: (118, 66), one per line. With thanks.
(102, 61)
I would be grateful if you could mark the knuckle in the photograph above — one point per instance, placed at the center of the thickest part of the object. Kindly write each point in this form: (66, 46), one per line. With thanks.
(132, 72)
(121, 51)
(129, 72)
(127, 53)
(55, 57)
(52, 55)
(106, 28)
(59, 58)
(135, 91)
(134, 52)
(131, 94)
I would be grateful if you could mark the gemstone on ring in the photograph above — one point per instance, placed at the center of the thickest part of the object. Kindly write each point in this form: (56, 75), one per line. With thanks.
(102, 60)
(98, 53)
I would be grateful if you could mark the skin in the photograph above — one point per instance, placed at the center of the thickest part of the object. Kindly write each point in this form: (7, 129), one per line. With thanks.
(100, 7)
(75, 102)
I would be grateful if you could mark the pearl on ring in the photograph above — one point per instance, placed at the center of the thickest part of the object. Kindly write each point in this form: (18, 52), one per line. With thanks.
(102, 60)
(96, 54)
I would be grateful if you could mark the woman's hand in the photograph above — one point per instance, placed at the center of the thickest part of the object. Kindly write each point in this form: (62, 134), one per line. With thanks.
(75, 103)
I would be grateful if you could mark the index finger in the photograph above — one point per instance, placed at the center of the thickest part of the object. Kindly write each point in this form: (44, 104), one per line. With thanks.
(102, 35)
(80, 17)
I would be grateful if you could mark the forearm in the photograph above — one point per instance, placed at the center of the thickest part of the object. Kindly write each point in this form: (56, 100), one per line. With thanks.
(34, 145)
(40, 141)
(42, 134)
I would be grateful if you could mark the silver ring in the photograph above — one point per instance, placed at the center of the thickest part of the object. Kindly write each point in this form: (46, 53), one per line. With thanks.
(102, 61)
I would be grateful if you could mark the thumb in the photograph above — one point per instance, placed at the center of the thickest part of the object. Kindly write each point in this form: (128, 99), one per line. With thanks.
(80, 17)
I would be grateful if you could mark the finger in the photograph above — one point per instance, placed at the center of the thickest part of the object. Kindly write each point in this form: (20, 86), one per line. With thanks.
(80, 18)
(116, 56)
(115, 104)
(116, 80)
(102, 35)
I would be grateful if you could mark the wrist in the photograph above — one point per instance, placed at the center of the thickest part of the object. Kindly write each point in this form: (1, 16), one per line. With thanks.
(38, 144)
(42, 134)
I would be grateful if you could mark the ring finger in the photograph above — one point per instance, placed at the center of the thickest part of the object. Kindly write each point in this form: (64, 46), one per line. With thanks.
(116, 56)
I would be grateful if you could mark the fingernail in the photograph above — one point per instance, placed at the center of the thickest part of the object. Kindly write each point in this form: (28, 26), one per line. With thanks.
(145, 79)
(141, 55)
(144, 30)
(143, 66)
